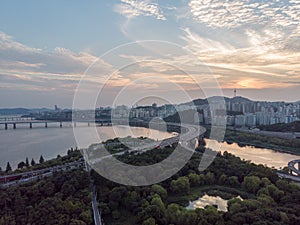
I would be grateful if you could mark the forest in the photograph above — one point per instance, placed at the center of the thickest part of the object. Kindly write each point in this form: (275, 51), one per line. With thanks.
(266, 199)
(64, 198)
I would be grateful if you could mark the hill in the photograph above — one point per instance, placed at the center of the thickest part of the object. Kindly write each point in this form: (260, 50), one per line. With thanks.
(200, 101)
(20, 111)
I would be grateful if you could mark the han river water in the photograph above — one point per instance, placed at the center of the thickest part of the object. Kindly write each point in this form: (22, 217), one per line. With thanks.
(16, 145)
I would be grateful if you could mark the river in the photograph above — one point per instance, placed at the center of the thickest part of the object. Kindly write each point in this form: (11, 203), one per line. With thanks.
(22, 142)
(256, 155)
(18, 144)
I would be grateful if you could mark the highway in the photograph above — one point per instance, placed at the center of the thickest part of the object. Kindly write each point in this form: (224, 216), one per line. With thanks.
(296, 179)
(292, 167)
(288, 176)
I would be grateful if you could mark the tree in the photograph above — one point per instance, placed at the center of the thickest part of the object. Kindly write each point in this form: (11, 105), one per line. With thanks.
(4, 200)
(182, 184)
(172, 213)
(132, 200)
(251, 204)
(251, 184)
(194, 179)
(158, 189)
(157, 207)
(209, 178)
(27, 162)
(67, 189)
(32, 162)
(77, 222)
(234, 205)
(8, 167)
(266, 200)
(21, 165)
(149, 221)
(116, 214)
(274, 192)
(233, 181)
(42, 159)
(222, 179)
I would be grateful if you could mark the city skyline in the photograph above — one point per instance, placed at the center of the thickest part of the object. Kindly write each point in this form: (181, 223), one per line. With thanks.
(250, 45)
(239, 112)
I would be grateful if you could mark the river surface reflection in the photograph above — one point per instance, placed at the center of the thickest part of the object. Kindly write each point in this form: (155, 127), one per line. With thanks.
(16, 145)
(262, 156)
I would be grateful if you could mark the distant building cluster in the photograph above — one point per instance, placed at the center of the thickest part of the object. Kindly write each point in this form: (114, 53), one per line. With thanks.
(144, 112)
(251, 114)
(242, 112)
(239, 112)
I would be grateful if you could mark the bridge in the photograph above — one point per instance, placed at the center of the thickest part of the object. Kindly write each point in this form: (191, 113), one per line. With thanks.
(15, 118)
(15, 122)
(30, 123)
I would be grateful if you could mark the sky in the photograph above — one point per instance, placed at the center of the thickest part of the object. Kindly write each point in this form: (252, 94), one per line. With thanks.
(132, 52)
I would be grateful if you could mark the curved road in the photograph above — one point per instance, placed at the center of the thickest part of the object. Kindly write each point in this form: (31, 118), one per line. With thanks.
(292, 166)
(192, 132)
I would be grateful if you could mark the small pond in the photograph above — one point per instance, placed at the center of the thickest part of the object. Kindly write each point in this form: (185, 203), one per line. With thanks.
(206, 200)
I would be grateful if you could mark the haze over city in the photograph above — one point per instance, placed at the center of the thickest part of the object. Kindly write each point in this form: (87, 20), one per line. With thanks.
(252, 46)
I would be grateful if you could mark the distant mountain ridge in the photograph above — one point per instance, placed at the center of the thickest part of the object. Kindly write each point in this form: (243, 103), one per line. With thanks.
(21, 111)
(217, 98)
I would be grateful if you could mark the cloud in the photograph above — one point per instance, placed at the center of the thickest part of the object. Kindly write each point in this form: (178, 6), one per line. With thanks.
(33, 68)
(262, 61)
(132, 8)
(236, 13)
(7, 43)
(257, 83)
